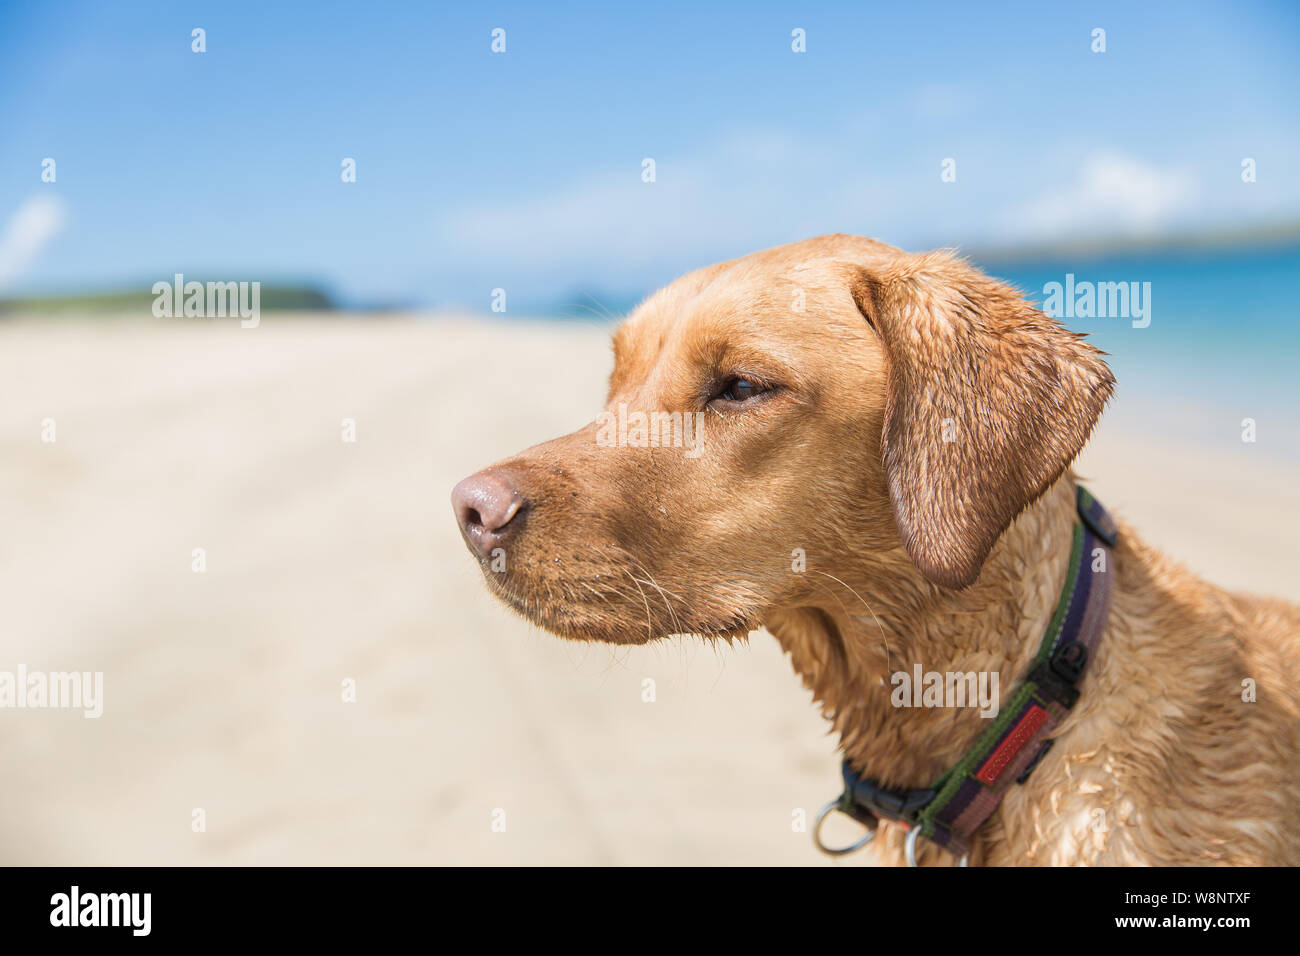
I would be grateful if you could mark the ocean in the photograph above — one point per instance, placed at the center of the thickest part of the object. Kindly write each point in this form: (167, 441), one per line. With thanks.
(1219, 343)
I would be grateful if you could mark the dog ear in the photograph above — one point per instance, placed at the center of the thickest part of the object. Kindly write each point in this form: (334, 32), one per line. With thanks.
(988, 401)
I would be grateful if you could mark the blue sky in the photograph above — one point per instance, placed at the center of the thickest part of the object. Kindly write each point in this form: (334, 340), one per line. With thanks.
(523, 170)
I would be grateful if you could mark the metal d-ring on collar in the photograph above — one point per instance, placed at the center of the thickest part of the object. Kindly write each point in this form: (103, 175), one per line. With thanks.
(872, 828)
(910, 848)
(851, 812)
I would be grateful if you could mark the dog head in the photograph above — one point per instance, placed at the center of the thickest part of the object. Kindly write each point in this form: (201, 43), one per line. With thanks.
(819, 401)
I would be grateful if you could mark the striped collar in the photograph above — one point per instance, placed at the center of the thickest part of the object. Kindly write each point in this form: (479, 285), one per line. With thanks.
(953, 807)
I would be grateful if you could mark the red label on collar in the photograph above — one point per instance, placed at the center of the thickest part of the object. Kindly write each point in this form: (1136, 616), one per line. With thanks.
(1021, 734)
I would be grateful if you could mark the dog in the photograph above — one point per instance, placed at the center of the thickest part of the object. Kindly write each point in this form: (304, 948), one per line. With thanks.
(882, 479)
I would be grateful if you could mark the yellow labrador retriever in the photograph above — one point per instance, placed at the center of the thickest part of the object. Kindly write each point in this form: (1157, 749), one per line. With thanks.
(867, 452)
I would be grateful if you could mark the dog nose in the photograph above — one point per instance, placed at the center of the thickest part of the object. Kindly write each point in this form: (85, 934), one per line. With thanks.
(488, 507)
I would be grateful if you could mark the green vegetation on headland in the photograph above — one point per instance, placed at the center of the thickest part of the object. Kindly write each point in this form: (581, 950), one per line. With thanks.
(1184, 243)
(140, 302)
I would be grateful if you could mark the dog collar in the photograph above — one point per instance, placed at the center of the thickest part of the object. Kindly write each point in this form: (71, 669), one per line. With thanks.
(949, 811)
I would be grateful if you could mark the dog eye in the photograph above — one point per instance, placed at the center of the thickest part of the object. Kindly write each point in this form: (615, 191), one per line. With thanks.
(740, 389)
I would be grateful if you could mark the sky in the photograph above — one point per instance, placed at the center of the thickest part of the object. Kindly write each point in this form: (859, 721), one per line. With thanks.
(523, 170)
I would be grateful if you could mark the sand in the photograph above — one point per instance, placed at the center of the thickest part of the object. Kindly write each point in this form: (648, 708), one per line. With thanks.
(329, 561)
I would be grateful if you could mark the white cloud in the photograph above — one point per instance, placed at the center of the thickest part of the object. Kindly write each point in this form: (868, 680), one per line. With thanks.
(739, 194)
(1114, 194)
(28, 231)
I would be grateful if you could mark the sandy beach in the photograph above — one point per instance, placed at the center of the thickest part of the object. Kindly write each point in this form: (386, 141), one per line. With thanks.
(330, 561)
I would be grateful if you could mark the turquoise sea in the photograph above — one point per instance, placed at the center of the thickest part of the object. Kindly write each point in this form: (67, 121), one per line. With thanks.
(1223, 343)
